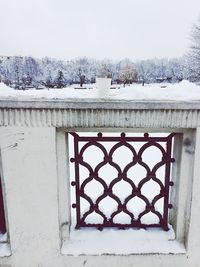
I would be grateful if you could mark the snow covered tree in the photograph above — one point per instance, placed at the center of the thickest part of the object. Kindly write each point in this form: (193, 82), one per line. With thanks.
(175, 69)
(60, 81)
(1, 70)
(32, 72)
(104, 70)
(18, 72)
(193, 59)
(144, 69)
(127, 72)
(22, 72)
(49, 81)
(81, 77)
(81, 70)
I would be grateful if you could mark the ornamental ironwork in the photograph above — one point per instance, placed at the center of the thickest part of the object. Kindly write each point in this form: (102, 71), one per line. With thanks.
(99, 141)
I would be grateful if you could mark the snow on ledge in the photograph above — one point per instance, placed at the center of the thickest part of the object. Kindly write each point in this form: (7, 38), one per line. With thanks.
(183, 91)
(5, 250)
(121, 242)
(4, 246)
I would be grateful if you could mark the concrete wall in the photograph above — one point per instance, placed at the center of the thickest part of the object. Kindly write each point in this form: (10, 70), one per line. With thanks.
(29, 176)
(37, 205)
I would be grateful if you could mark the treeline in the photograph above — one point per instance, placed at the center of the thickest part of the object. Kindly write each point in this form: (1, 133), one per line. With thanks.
(26, 72)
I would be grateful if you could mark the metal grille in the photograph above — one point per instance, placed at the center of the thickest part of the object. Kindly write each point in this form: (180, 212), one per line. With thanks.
(2, 214)
(82, 143)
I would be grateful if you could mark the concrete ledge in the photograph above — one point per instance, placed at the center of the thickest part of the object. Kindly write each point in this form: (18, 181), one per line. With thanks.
(12, 103)
(91, 113)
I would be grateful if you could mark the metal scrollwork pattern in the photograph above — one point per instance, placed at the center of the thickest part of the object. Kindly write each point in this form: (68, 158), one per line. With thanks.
(136, 189)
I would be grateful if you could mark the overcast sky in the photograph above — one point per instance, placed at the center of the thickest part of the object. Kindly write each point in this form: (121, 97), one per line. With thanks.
(137, 29)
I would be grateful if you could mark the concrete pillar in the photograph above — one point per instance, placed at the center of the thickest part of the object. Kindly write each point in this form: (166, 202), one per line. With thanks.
(30, 178)
(194, 231)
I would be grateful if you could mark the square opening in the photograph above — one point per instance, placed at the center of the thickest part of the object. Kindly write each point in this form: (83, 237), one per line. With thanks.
(121, 180)
(120, 184)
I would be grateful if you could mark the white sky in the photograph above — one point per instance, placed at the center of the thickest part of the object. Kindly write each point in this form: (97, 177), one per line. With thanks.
(115, 29)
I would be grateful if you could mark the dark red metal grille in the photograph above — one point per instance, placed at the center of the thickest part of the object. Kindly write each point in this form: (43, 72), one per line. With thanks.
(163, 144)
(2, 214)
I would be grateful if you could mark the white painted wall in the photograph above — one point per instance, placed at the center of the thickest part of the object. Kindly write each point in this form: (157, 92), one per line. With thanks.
(36, 212)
